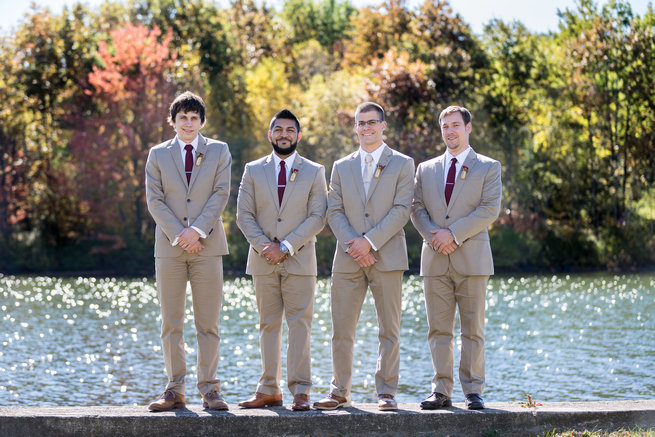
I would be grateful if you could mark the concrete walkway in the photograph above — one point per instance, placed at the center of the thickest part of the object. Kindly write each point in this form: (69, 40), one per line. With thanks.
(359, 420)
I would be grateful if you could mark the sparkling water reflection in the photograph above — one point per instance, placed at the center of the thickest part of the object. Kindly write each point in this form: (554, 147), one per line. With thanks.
(90, 341)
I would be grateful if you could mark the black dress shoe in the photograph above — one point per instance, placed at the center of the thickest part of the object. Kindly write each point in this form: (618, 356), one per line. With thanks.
(436, 400)
(474, 401)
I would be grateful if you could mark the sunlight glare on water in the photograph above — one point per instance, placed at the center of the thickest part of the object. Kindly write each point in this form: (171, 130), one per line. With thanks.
(94, 341)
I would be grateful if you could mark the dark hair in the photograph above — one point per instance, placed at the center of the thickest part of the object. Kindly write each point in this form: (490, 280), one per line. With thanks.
(370, 106)
(466, 114)
(284, 114)
(187, 102)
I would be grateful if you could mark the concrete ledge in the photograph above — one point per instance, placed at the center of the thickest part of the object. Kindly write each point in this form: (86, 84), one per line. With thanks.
(359, 420)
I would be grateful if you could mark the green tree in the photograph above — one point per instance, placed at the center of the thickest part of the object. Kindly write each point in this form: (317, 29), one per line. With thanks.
(326, 21)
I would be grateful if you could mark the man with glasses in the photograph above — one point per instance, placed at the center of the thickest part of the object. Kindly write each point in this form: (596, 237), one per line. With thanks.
(280, 209)
(369, 202)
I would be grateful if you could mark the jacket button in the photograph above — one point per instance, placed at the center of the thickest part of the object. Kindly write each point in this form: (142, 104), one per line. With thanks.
(184, 219)
(279, 220)
(447, 217)
(366, 215)
(188, 200)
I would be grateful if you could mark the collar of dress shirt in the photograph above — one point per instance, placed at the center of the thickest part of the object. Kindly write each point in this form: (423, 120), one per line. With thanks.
(194, 143)
(461, 157)
(288, 162)
(376, 154)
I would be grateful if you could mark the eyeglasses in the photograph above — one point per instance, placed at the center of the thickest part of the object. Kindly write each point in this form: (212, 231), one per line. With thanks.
(369, 123)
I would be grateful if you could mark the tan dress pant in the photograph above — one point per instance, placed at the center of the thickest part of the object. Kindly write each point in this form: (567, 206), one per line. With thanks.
(292, 296)
(347, 297)
(205, 273)
(442, 295)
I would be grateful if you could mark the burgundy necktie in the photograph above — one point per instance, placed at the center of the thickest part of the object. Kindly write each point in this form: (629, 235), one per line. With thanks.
(281, 181)
(450, 180)
(188, 162)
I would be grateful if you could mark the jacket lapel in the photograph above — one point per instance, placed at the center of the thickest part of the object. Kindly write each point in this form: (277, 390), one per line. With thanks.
(383, 162)
(269, 173)
(440, 170)
(355, 164)
(174, 148)
(288, 191)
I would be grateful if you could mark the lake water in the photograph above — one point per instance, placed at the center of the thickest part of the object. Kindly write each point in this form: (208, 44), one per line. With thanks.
(95, 341)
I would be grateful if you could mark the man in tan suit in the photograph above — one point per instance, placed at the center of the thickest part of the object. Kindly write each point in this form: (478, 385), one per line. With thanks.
(280, 209)
(369, 202)
(456, 197)
(187, 188)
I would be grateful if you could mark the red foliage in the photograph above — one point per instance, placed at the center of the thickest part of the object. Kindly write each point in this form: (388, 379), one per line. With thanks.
(131, 88)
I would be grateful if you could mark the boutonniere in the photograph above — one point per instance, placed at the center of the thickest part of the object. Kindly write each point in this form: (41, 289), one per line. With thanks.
(199, 159)
(294, 171)
(465, 170)
(378, 169)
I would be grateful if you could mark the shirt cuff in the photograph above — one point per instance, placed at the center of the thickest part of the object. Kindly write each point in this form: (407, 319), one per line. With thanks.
(372, 245)
(174, 243)
(454, 237)
(202, 234)
(289, 246)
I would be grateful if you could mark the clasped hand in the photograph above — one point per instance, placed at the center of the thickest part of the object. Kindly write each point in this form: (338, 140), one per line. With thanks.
(273, 254)
(443, 241)
(189, 240)
(360, 251)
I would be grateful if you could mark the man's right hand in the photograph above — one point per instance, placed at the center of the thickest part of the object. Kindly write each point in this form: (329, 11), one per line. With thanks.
(449, 248)
(273, 254)
(194, 247)
(366, 260)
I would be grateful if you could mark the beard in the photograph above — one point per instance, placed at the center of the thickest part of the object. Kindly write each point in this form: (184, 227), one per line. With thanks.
(288, 151)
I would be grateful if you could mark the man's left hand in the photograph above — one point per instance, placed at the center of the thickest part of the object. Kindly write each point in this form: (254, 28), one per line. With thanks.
(359, 247)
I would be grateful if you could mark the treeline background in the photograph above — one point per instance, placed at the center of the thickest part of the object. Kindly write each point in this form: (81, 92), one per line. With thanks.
(84, 94)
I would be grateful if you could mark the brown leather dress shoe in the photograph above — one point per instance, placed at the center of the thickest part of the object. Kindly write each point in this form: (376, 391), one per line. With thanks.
(387, 402)
(436, 400)
(214, 401)
(261, 400)
(300, 402)
(167, 401)
(331, 402)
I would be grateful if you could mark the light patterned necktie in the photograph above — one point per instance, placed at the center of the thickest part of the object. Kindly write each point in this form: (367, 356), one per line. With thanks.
(368, 171)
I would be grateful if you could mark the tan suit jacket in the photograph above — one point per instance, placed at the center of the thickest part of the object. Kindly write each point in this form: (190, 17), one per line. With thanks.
(286, 289)
(301, 216)
(474, 205)
(380, 216)
(175, 205)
